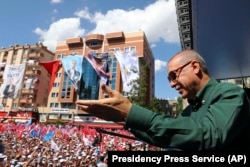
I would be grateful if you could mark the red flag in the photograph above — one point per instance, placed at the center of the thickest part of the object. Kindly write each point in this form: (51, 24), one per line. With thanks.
(52, 67)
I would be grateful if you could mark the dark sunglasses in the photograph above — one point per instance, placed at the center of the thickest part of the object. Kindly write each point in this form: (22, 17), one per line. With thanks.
(173, 75)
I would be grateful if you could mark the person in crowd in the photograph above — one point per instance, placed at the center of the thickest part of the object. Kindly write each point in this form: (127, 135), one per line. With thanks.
(2, 147)
(102, 162)
(217, 117)
(128, 146)
(69, 147)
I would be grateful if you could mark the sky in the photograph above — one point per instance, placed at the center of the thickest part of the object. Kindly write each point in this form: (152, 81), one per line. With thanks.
(49, 21)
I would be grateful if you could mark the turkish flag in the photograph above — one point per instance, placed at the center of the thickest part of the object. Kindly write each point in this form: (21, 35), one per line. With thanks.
(52, 67)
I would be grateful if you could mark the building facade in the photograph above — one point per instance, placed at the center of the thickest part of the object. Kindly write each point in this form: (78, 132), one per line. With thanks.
(169, 107)
(35, 81)
(183, 13)
(61, 100)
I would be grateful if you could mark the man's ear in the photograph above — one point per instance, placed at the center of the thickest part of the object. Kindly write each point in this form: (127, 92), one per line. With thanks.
(196, 67)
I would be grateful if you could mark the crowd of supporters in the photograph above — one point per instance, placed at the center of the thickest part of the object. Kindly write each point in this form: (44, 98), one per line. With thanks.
(40, 145)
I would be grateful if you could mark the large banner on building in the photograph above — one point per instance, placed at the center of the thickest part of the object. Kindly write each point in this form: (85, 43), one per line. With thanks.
(12, 80)
(72, 65)
(100, 64)
(129, 68)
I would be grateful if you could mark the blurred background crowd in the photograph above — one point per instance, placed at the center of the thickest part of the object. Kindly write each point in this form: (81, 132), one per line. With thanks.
(40, 145)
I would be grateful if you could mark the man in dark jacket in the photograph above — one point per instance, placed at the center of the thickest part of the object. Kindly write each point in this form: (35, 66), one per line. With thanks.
(9, 90)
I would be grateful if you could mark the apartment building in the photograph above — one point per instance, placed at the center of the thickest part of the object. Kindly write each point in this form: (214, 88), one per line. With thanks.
(183, 13)
(61, 100)
(169, 107)
(35, 81)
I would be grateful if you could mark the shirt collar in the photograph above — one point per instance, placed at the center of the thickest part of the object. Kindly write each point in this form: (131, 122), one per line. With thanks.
(203, 94)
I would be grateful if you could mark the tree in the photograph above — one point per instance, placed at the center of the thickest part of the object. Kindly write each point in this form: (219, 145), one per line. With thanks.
(179, 105)
(155, 105)
(139, 92)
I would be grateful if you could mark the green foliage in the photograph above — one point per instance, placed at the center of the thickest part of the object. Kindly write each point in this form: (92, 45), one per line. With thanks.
(155, 105)
(138, 94)
(59, 122)
(179, 105)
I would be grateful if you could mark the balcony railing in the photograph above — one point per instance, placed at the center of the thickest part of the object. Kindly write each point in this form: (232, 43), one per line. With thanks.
(34, 55)
(33, 72)
(33, 64)
(27, 100)
(29, 91)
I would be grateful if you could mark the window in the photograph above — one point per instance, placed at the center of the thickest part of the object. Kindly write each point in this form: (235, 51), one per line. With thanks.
(5, 54)
(239, 81)
(68, 94)
(53, 116)
(114, 69)
(53, 105)
(58, 74)
(93, 43)
(66, 105)
(131, 48)
(23, 61)
(15, 52)
(56, 84)
(14, 105)
(93, 51)
(65, 117)
(74, 53)
(54, 94)
(60, 56)
(114, 49)
(26, 51)
(66, 86)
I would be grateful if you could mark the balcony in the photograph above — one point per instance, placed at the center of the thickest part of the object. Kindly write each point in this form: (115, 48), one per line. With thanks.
(25, 56)
(23, 100)
(184, 20)
(4, 59)
(34, 55)
(74, 41)
(115, 35)
(183, 12)
(32, 72)
(94, 37)
(186, 39)
(29, 91)
(33, 64)
(182, 3)
(185, 28)
(27, 101)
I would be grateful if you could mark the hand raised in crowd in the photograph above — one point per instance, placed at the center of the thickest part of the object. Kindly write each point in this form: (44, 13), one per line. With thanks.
(115, 108)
